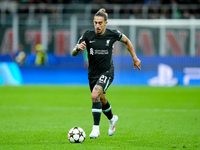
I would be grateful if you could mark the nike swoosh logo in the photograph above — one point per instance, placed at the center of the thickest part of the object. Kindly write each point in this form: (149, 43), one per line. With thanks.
(91, 41)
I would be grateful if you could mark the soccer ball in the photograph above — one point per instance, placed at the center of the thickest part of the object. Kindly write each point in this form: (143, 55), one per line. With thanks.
(76, 135)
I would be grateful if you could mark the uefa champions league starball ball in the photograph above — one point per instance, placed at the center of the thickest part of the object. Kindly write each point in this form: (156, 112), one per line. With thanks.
(76, 135)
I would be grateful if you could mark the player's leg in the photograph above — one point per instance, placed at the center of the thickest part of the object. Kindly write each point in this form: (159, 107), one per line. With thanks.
(96, 110)
(105, 81)
(106, 108)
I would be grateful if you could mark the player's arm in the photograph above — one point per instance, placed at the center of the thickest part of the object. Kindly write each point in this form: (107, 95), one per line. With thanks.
(78, 48)
(129, 46)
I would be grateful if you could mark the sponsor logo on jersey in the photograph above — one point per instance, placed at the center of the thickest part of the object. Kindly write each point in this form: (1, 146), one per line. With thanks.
(98, 52)
(101, 52)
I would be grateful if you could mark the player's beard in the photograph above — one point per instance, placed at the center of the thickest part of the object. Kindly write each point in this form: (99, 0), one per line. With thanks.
(98, 31)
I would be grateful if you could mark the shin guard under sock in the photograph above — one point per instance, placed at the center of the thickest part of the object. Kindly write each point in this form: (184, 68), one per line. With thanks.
(107, 110)
(96, 112)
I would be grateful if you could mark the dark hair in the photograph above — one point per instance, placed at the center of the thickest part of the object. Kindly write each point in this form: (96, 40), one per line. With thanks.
(102, 12)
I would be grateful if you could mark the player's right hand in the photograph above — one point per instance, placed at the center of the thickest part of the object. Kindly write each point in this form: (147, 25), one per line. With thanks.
(82, 46)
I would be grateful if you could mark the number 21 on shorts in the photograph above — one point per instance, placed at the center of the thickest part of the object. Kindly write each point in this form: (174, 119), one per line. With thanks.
(103, 79)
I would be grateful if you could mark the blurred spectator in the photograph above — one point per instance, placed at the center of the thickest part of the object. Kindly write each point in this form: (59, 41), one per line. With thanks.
(165, 1)
(185, 14)
(9, 6)
(137, 12)
(194, 12)
(125, 1)
(146, 9)
(20, 56)
(151, 2)
(99, 2)
(154, 13)
(41, 56)
(41, 9)
(35, 1)
(125, 13)
(24, 1)
(185, 1)
(165, 12)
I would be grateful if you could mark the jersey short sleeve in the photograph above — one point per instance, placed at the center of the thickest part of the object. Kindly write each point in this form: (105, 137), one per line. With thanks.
(118, 35)
(83, 37)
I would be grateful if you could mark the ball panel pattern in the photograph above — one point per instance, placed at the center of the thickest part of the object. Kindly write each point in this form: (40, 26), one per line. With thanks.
(76, 135)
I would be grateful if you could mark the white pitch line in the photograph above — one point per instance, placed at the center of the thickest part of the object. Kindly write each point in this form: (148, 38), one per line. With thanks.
(42, 108)
(162, 110)
(88, 108)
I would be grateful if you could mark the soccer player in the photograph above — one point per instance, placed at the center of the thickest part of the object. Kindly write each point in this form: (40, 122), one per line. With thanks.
(99, 44)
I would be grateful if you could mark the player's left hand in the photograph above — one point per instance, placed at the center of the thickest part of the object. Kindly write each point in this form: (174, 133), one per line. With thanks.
(137, 63)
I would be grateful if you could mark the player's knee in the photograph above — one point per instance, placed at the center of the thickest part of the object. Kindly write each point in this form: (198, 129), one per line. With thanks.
(96, 93)
(95, 97)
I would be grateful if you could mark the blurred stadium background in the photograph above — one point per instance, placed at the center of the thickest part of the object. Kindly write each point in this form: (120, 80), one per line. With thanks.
(37, 36)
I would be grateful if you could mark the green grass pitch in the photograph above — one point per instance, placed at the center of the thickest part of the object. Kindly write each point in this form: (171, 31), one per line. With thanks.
(150, 118)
